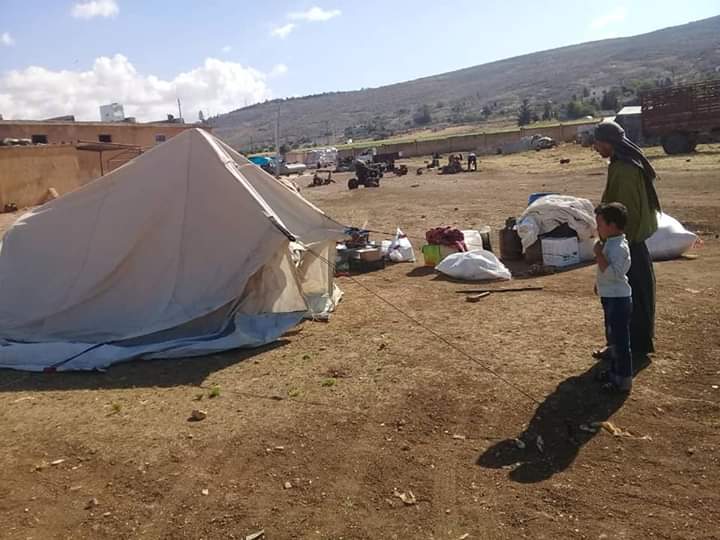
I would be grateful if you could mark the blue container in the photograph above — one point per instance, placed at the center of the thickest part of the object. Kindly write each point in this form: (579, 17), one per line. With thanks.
(535, 196)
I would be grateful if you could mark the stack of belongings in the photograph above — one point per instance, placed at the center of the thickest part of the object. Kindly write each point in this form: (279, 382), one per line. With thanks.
(557, 230)
(358, 254)
(441, 242)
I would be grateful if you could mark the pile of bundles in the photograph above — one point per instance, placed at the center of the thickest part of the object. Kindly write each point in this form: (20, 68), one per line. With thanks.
(462, 254)
(560, 230)
(359, 254)
(557, 230)
(446, 236)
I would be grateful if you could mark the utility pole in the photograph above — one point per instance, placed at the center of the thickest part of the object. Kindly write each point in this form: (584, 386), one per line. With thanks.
(277, 142)
(327, 132)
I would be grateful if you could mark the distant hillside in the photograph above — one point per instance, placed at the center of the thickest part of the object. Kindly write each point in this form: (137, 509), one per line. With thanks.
(487, 92)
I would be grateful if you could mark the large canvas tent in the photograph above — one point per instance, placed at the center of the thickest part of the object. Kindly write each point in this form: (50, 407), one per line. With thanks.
(184, 251)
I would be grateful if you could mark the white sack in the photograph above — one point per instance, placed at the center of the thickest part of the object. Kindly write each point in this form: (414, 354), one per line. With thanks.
(477, 265)
(585, 249)
(401, 249)
(670, 240)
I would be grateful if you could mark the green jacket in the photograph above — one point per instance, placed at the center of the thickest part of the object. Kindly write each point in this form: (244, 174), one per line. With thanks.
(626, 185)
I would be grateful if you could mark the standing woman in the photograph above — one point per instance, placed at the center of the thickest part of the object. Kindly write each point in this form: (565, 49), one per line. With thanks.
(631, 181)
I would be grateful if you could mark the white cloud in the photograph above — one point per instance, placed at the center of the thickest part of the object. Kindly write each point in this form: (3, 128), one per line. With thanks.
(217, 86)
(95, 8)
(315, 14)
(226, 49)
(278, 70)
(614, 16)
(6, 39)
(282, 31)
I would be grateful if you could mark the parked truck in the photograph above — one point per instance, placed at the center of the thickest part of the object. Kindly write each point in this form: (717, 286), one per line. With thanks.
(682, 116)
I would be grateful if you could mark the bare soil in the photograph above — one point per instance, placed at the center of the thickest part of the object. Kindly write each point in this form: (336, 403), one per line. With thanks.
(316, 436)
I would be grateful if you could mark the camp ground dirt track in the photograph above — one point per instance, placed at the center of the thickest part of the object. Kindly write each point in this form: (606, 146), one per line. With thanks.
(369, 406)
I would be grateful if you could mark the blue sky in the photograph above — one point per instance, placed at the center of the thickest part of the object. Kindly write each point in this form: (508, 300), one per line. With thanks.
(221, 54)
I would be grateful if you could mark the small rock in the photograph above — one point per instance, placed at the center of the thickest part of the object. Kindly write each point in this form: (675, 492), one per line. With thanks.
(690, 451)
(57, 462)
(107, 514)
(287, 485)
(205, 492)
(540, 444)
(520, 444)
(459, 437)
(92, 503)
(715, 387)
(197, 415)
(407, 498)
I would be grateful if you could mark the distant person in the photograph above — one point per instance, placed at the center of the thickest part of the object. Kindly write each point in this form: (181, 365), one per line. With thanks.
(472, 161)
(631, 182)
(612, 254)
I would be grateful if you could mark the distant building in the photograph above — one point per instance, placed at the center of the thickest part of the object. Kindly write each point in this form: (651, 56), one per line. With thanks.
(68, 132)
(38, 155)
(630, 118)
(112, 113)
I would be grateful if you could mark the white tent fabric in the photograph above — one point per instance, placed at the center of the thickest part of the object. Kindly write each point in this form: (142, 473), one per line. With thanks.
(182, 251)
(550, 211)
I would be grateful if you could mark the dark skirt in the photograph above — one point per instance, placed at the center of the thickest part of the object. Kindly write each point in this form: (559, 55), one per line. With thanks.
(642, 280)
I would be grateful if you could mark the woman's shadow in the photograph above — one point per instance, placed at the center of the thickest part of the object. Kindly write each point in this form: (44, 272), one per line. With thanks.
(576, 402)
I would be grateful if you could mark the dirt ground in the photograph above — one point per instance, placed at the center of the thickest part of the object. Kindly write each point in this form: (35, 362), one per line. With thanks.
(317, 435)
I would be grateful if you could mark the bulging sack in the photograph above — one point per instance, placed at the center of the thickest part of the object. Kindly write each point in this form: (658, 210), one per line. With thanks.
(401, 249)
(476, 265)
(671, 239)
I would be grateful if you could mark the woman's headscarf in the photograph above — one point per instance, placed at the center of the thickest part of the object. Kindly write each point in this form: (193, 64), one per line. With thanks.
(628, 151)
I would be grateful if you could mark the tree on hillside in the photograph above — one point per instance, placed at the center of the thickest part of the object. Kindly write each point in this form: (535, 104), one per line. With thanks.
(486, 112)
(609, 101)
(422, 116)
(284, 149)
(578, 109)
(548, 112)
(525, 113)
(586, 92)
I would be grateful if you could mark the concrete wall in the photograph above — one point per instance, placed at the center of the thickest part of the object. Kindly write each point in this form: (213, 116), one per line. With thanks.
(71, 132)
(26, 173)
(482, 143)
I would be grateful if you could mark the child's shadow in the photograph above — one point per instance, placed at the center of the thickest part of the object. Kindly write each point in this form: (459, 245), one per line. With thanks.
(576, 401)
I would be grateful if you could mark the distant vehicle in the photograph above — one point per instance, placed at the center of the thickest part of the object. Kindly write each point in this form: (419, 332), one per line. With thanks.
(681, 116)
(269, 165)
(287, 169)
(320, 158)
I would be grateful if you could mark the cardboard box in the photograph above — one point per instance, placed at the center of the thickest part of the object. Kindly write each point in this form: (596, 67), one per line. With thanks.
(560, 252)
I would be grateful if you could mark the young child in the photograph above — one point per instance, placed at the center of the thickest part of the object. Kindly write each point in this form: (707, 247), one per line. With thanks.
(613, 259)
